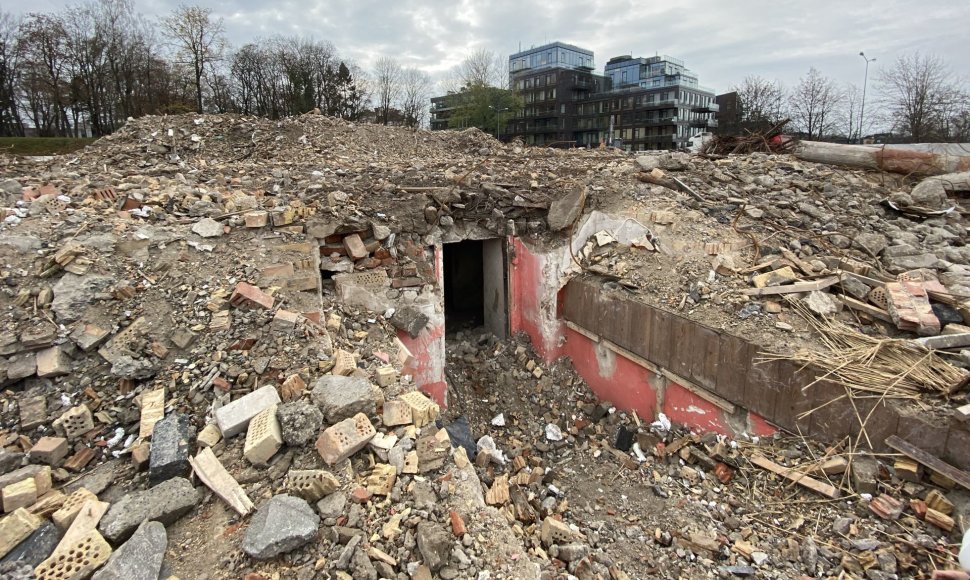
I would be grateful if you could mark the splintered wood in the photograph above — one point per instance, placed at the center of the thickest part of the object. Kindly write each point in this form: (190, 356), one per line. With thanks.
(798, 477)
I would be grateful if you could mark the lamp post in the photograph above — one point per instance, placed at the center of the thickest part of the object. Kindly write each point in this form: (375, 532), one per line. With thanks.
(498, 117)
(865, 81)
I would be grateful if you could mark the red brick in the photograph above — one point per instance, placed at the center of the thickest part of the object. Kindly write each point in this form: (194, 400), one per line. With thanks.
(368, 263)
(79, 460)
(355, 246)
(361, 495)
(406, 282)
(457, 524)
(248, 295)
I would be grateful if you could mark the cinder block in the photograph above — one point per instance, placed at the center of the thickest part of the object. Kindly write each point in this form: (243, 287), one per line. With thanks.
(15, 528)
(234, 418)
(423, 409)
(248, 296)
(75, 422)
(386, 375)
(77, 561)
(340, 441)
(344, 364)
(397, 412)
(264, 437)
(209, 436)
(312, 485)
(49, 450)
(64, 517)
(20, 494)
(170, 449)
(53, 362)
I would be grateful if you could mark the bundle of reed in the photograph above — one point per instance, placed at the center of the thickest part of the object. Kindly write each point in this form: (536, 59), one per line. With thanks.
(869, 366)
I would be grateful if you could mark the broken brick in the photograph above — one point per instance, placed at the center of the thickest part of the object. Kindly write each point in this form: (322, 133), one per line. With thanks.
(355, 246)
(345, 438)
(457, 524)
(247, 295)
(49, 450)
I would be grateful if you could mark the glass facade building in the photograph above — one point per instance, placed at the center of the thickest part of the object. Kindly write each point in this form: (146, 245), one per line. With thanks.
(554, 54)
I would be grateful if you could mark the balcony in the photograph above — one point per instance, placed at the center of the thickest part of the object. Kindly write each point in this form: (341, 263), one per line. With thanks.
(703, 123)
(711, 108)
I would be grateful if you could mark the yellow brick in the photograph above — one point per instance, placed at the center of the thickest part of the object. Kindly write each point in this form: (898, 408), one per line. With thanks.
(64, 517)
(77, 561)
(20, 494)
(264, 437)
(423, 409)
(15, 528)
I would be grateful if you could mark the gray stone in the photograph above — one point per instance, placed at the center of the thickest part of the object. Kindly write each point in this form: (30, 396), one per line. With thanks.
(929, 193)
(855, 288)
(873, 244)
(342, 397)
(821, 303)
(410, 320)
(381, 232)
(170, 449)
(73, 293)
(300, 422)
(900, 250)
(361, 567)
(166, 503)
(564, 211)
(11, 187)
(9, 460)
(903, 263)
(140, 558)
(282, 524)
(435, 544)
(207, 228)
(333, 506)
(648, 162)
(347, 554)
(22, 244)
(182, 337)
(36, 548)
(424, 495)
(21, 367)
(127, 367)
(573, 552)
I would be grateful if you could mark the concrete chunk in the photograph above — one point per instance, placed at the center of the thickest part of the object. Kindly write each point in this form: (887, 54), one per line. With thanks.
(53, 362)
(435, 545)
(564, 211)
(342, 397)
(340, 441)
(36, 548)
(282, 525)
(300, 421)
(166, 502)
(170, 449)
(140, 558)
(234, 418)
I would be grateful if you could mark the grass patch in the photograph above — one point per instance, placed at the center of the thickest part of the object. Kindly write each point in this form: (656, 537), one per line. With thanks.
(41, 145)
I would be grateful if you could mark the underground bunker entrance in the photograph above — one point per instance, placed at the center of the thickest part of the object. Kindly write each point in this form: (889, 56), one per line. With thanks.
(475, 286)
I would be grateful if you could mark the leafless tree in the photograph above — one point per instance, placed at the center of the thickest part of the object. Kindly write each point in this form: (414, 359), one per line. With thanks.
(415, 94)
(813, 103)
(919, 91)
(761, 100)
(484, 67)
(10, 119)
(199, 40)
(387, 86)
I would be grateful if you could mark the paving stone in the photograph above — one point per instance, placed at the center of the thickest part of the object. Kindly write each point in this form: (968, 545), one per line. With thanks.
(16, 528)
(75, 422)
(77, 561)
(434, 543)
(36, 548)
(234, 418)
(166, 502)
(140, 558)
(300, 421)
(340, 441)
(341, 397)
(53, 362)
(49, 450)
(281, 525)
(170, 449)
(263, 438)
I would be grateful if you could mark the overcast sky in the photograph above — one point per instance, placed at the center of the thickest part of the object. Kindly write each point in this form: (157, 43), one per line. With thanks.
(721, 40)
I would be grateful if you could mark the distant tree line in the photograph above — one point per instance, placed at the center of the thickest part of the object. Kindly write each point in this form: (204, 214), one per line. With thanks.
(915, 98)
(87, 68)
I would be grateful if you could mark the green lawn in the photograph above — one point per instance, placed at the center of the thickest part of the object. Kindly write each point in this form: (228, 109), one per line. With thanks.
(41, 145)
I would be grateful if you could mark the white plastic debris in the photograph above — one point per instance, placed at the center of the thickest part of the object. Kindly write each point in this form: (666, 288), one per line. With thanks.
(965, 551)
(638, 452)
(119, 435)
(553, 432)
(487, 446)
(499, 420)
(662, 423)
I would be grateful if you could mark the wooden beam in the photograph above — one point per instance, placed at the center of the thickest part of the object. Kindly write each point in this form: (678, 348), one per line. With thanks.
(212, 473)
(945, 341)
(793, 288)
(873, 311)
(962, 478)
(798, 477)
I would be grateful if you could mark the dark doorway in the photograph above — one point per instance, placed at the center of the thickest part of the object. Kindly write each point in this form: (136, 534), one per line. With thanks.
(464, 281)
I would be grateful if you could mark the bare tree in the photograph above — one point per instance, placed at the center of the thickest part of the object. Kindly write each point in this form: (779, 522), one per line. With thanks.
(387, 86)
(918, 90)
(761, 100)
(813, 103)
(199, 40)
(10, 120)
(415, 94)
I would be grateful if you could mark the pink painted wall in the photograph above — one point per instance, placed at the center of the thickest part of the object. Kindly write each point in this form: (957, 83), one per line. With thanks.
(428, 368)
(612, 377)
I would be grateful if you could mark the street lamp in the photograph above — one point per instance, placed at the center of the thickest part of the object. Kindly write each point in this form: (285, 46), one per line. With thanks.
(498, 117)
(865, 81)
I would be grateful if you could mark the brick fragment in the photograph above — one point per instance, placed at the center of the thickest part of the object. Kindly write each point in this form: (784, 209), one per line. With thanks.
(53, 362)
(76, 561)
(234, 418)
(285, 321)
(33, 412)
(386, 375)
(256, 219)
(313, 484)
(49, 450)
(15, 528)
(75, 422)
(344, 363)
(396, 413)
(345, 438)
(264, 437)
(355, 246)
(248, 296)
(554, 531)
(209, 436)
(423, 409)
(292, 388)
(140, 456)
(80, 460)
(19, 495)
(457, 524)
(64, 517)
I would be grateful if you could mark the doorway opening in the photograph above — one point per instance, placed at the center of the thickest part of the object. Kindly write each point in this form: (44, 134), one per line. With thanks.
(475, 280)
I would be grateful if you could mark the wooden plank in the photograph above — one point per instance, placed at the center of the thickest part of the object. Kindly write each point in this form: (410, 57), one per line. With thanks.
(945, 341)
(212, 473)
(87, 519)
(732, 367)
(871, 310)
(962, 478)
(640, 333)
(793, 288)
(579, 329)
(682, 348)
(660, 338)
(798, 477)
(703, 368)
(759, 393)
(152, 411)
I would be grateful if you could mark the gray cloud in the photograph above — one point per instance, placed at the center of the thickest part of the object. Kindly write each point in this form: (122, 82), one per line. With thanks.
(723, 41)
